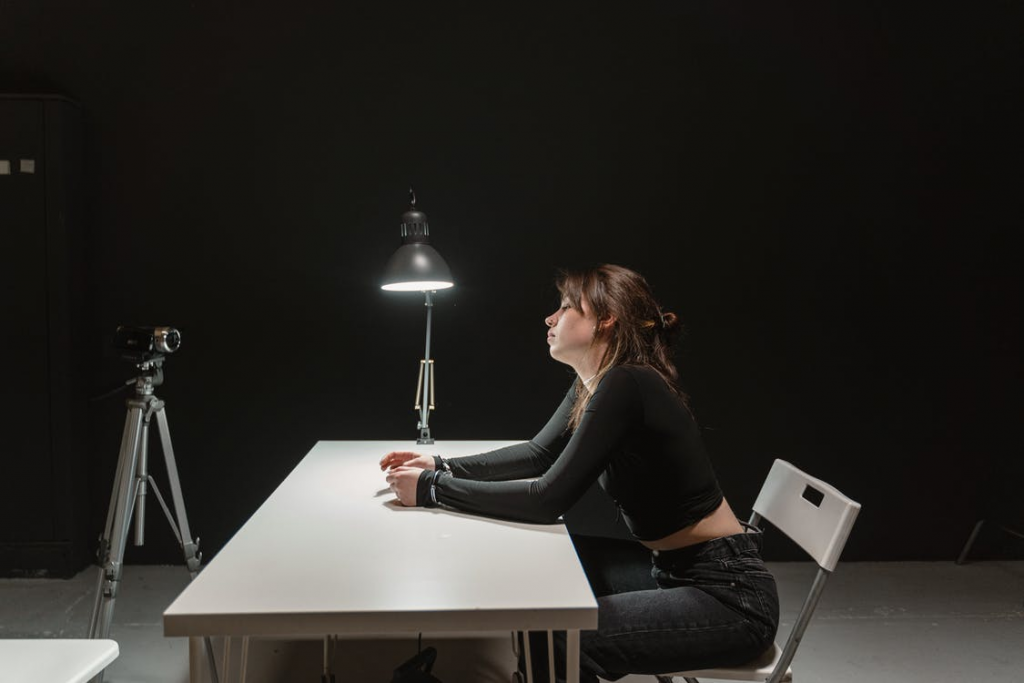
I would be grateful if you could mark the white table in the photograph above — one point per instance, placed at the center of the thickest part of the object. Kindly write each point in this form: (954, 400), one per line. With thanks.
(332, 552)
(54, 660)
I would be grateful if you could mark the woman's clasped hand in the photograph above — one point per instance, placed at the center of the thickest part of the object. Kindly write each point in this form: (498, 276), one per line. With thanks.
(403, 470)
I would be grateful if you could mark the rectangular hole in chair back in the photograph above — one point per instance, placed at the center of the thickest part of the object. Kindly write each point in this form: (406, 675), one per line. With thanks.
(813, 496)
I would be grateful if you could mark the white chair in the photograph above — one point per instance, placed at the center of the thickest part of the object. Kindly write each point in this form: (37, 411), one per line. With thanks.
(819, 519)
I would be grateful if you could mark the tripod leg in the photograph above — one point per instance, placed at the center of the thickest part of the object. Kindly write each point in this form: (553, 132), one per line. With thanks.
(167, 510)
(113, 564)
(103, 551)
(141, 483)
(188, 546)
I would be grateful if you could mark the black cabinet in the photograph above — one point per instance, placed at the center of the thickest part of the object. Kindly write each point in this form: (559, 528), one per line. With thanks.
(43, 408)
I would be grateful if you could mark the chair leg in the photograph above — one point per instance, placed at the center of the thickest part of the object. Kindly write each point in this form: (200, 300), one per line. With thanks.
(974, 535)
(970, 541)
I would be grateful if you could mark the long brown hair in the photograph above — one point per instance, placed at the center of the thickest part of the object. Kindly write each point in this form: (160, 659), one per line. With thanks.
(642, 333)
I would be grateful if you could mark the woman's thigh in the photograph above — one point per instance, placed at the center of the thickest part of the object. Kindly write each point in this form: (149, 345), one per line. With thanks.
(663, 630)
(654, 631)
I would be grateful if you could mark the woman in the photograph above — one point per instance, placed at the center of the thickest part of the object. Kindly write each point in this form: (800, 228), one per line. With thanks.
(704, 598)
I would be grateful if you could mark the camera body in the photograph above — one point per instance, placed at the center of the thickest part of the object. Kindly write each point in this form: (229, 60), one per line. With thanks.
(144, 343)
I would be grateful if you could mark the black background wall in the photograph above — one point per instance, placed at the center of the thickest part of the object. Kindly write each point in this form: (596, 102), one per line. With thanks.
(826, 193)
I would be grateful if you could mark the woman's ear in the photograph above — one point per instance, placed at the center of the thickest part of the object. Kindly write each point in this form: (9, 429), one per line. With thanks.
(607, 323)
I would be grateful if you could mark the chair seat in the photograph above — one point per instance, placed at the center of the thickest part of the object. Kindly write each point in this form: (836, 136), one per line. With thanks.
(755, 670)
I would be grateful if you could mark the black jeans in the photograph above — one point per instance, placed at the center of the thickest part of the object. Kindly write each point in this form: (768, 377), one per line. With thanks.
(712, 604)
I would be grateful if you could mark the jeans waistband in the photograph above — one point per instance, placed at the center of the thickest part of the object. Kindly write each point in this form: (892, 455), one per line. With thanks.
(726, 546)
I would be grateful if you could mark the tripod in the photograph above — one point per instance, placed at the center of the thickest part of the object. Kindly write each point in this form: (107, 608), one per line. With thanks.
(131, 486)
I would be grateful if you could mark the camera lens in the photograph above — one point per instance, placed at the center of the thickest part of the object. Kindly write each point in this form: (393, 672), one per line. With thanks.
(167, 339)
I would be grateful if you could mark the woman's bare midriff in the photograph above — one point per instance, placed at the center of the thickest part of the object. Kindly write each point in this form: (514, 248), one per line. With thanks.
(721, 522)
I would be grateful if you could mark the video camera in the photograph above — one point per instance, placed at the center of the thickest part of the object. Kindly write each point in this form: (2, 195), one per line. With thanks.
(142, 343)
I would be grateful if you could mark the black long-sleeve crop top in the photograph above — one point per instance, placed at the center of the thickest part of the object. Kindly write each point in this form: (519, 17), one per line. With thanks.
(636, 438)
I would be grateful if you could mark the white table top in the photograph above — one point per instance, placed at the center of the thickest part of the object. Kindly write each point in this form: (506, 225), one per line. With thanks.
(54, 660)
(332, 551)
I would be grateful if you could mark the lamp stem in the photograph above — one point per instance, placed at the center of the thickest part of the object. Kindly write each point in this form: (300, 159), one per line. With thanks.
(428, 380)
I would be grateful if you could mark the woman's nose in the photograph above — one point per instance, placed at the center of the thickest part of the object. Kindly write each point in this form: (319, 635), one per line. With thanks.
(550, 320)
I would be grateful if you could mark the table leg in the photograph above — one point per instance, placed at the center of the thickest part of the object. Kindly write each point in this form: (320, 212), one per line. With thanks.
(195, 660)
(551, 656)
(526, 652)
(572, 657)
(226, 665)
(245, 660)
(201, 665)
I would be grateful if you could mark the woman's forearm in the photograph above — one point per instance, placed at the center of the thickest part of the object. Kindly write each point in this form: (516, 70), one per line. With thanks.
(519, 461)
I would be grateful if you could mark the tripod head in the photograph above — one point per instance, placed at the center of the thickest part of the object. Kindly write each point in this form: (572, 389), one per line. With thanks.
(151, 374)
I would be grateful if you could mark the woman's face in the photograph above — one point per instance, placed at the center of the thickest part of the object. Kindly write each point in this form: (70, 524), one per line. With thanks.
(571, 332)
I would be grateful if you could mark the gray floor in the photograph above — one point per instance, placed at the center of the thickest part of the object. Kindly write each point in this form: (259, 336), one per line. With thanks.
(906, 622)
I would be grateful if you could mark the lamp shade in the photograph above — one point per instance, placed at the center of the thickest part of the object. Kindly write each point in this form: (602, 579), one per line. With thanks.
(416, 266)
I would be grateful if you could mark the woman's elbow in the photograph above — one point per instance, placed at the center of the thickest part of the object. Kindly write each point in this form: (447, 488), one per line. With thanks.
(547, 513)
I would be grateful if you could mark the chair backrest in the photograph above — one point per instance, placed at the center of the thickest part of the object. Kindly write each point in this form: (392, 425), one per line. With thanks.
(812, 513)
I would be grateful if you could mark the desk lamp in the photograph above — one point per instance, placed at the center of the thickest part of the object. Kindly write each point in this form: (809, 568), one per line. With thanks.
(417, 267)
